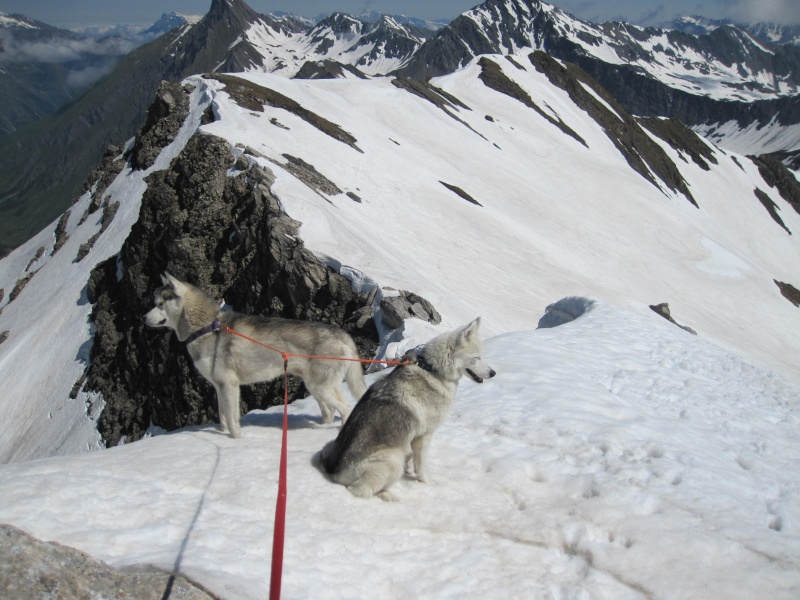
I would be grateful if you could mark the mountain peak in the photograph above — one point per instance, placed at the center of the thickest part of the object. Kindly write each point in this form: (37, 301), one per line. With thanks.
(231, 11)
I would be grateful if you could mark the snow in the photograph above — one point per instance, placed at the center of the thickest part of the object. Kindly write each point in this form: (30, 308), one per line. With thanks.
(7, 21)
(754, 139)
(615, 456)
(48, 348)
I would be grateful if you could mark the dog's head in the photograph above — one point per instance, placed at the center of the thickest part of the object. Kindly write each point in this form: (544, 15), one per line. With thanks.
(469, 353)
(168, 301)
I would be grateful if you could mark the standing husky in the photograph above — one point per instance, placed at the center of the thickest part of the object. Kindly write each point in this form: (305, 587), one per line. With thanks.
(228, 360)
(395, 420)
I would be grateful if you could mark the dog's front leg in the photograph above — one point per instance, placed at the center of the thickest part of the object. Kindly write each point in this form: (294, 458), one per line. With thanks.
(228, 403)
(419, 450)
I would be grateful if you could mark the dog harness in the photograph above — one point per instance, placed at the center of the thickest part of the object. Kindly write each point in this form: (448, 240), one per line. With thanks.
(214, 327)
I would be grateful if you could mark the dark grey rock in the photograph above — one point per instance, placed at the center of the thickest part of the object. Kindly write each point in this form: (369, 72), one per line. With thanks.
(663, 310)
(109, 212)
(395, 309)
(110, 166)
(564, 310)
(61, 232)
(164, 119)
(791, 293)
(19, 286)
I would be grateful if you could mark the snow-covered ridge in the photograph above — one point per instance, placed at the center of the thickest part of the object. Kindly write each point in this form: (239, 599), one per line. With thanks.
(555, 218)
(609, 457)
(15, 21)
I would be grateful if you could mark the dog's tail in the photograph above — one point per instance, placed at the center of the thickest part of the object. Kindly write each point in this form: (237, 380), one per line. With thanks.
(329, 455)
(354, 376)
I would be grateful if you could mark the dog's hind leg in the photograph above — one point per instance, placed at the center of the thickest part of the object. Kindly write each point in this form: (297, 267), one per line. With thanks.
(376, 474)
(330, 399)
(228, 401)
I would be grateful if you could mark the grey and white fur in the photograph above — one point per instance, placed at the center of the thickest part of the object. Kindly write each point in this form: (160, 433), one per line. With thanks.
(391, 427)
(229, 361)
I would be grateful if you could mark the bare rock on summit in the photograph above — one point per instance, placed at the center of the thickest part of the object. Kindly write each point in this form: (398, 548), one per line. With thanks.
(31, 568)
(164, 119)
(394, 309)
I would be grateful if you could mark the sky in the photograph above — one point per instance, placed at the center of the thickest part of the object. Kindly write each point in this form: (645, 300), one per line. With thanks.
(82, 13)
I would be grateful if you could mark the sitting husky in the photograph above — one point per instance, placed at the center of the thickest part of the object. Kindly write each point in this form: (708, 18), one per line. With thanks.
(391, 426)
(228, 360)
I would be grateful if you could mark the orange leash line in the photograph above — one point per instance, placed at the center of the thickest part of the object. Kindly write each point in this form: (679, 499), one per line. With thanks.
(286, 355)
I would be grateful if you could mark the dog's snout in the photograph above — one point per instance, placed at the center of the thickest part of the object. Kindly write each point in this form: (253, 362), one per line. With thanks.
(492, 373)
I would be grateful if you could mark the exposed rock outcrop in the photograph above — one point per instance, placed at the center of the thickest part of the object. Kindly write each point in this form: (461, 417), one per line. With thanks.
(31, 568)
(164, 119)
(564, 311)
(663, 310)
(791, 293)
(228, 235)
(395, 309)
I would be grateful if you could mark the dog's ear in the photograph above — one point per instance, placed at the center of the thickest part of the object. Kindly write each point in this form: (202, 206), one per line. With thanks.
(177, 286)
(469, 332)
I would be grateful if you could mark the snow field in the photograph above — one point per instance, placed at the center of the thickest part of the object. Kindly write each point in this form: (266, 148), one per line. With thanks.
(614, 456)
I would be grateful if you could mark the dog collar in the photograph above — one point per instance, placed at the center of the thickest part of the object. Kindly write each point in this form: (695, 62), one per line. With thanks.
(422, 363)
(204, 331)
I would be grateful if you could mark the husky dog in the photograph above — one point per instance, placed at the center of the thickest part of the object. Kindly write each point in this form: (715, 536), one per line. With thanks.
(228, 360)
(391, 426)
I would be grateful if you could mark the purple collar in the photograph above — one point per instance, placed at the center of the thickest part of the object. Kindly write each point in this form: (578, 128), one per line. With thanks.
(214, 327)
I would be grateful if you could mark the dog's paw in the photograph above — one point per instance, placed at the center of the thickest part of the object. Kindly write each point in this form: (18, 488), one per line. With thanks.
(387, 496)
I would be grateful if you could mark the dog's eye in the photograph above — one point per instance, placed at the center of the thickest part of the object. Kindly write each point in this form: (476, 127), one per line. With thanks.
(160, 304)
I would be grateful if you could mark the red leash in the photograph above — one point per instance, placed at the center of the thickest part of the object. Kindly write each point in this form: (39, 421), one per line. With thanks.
(279, 529)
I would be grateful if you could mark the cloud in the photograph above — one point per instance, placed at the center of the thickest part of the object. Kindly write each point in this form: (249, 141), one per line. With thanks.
(62, 50)
(83, 79)
(785, 12)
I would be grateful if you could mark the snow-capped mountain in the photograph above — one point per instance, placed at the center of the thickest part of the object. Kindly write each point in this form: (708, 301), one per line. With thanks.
(372, 16)
(724, 83)
(167, 22)
(770, 33)
(57, 154)
(651, 72)
(41, 68)
(725, 64)
(376, 48)
(524, 172)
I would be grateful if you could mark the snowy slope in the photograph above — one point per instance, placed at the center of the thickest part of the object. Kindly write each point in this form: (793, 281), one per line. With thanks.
(612, 457)
(340, 38)
(50, 333)
(727, 64)
(556, 218)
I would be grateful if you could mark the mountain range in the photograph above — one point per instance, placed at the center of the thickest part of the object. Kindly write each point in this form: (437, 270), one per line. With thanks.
(392, 206)
(737, 92)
